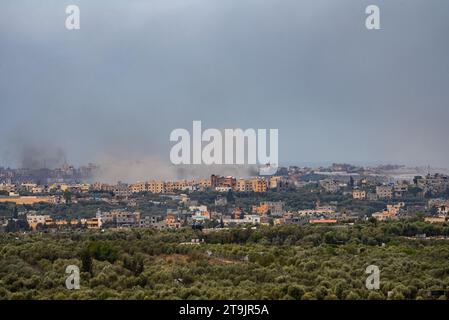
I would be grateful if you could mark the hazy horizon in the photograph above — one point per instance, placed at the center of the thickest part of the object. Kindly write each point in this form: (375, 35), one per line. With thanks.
(111, 92)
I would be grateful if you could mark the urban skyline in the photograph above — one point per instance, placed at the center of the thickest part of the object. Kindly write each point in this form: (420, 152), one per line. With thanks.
(132, 73)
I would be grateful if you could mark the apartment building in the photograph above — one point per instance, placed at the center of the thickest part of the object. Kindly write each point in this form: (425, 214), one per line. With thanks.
(220, 181)
(359, 194)
(330, 185)
(399, 189)
(204, 184)
(259, 185)
(28, 186)
(7, 187)
(384, 192)
(37, 219)
(97, 186)
(247, 219)
(172, 221)
(125, 219)
(244, 185)
(149, 221)
(180, 185)
(38, 189)
(390, 213)
(262, 209)
(441, 205)
(276, 208)
(92, 223)
(138, 187)
(119, 218)
(122, 190)
(156, 186)
(278, 183)
(252, 185)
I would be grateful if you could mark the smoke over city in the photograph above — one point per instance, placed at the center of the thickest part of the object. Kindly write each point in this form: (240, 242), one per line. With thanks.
(146, 168)
(33, 157)
(111, 92)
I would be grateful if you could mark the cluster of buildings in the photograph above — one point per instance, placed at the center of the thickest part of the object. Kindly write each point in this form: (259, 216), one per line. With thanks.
(216, 183)
(111, 219)
(65, 174)
(382, 192)
(331, 185)
(168, 186)
(440, 208)
(430, 184)
(35, 221)
(435, 183)
(257, 184)
(273, 212)
(259, 214)
(333, 179)
(437, 209)
(339, 178)
(30, 188)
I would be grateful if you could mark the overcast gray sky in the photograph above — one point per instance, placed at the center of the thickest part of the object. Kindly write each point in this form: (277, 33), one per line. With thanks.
(138, 69)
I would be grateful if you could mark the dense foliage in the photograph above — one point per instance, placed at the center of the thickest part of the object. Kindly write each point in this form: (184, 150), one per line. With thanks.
(289, 262)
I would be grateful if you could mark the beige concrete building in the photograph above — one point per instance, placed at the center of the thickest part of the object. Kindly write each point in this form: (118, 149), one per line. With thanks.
(138, 187)
(156, 186)
(384, 192)
(359, 194)
(259, 185)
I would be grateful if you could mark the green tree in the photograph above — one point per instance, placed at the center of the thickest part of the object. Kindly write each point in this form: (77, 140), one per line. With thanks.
(67, 195)
(86, 261)
(230, 197)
